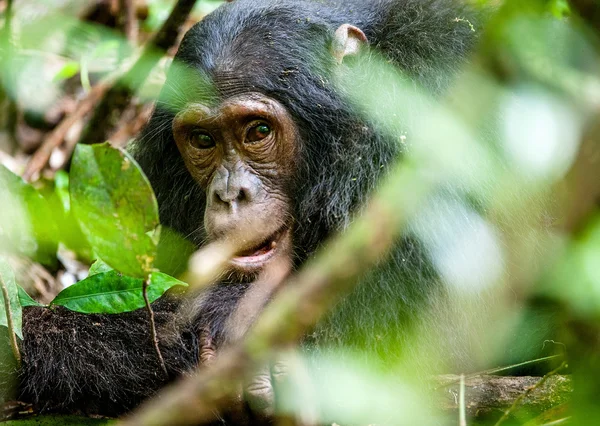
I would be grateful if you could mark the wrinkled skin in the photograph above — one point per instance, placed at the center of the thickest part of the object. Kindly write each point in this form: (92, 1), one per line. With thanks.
(242, 153)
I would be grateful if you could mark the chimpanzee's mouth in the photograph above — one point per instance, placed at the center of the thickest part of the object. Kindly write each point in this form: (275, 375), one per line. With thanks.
(258, 255)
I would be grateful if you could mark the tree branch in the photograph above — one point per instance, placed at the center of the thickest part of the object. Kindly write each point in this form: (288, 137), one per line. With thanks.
(119, 96)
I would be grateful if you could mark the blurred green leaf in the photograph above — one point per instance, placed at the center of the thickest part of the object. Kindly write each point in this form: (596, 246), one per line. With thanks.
(174, 252)
(56, 193)
(112, 293)
(68, 70)
(25, 299)
(115, 206)
(26, 221)
(576, 279)
(8, 277)
(560, 8)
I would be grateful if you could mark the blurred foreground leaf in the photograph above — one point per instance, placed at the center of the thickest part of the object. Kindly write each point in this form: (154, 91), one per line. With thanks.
(8, 277)
(115, 206)
(111, 293)
(26, 221)
(576, 279)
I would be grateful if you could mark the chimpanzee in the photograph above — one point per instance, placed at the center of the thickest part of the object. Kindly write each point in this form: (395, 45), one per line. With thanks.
(252, 130)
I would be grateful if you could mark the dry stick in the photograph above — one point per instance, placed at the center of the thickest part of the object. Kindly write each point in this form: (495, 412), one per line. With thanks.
(298, 306)
(119, 95)
(498, 370)
(9, 319)
(153, 334)
(42, 155)
(528, 392)
(492, 395)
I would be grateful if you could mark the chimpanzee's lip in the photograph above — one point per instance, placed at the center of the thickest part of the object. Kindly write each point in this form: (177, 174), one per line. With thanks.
(258, 255)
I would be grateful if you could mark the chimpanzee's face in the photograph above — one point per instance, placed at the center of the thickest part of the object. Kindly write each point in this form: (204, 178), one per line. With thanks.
(243, 153)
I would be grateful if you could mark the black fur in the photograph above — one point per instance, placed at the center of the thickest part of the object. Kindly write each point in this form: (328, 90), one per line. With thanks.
(105, 364)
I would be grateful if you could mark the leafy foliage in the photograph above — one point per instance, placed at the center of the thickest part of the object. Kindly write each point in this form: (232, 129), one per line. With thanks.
(111, 292)
(115, 206)
(26, 220)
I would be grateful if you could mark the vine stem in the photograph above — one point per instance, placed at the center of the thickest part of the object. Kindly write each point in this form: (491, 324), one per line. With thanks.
(9, 319)
(153, 334)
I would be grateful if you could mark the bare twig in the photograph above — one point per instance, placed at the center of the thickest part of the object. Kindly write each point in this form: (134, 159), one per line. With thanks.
(42, 155)
(488, 396)
(119, 95)
(499, 369)
(153, 334)
(525, 394)
(10, 323)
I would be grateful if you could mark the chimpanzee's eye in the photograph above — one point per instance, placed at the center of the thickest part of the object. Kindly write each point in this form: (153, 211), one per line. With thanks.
(258, 132)
(201, 140)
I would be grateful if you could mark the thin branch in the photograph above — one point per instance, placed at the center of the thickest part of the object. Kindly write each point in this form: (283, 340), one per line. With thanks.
(10, 323)
(42, 155)
(490, 396)
(525, 394)
(119, 96)
(500, 369)
(153, 334)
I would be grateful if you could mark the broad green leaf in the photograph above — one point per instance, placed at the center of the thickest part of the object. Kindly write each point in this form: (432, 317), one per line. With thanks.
(115, 206)
(112, 293)
(99, 267)
(27, 223)
(8, 278)
(25, 299)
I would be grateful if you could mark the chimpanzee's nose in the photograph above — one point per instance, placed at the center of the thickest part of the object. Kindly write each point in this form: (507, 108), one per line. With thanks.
(230, 188)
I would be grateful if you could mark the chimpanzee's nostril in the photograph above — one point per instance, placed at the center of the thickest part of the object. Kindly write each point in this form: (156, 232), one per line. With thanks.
(229, 197)
(243, 195)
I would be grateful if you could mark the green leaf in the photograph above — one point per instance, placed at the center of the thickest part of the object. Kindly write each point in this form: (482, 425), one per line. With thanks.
(115, 206)
(67, 71)
(25, 299)
(112, 293)
(8, 278)
(27, 223)
(99, 267)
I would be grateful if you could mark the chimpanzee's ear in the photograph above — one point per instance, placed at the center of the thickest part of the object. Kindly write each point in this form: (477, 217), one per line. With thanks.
(348, 40)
